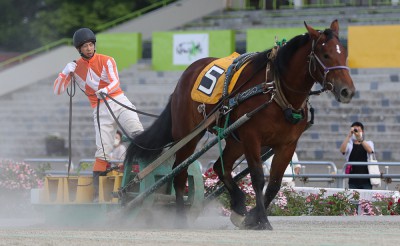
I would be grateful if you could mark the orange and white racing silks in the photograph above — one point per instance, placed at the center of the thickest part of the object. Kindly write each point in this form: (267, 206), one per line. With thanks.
(92, 75)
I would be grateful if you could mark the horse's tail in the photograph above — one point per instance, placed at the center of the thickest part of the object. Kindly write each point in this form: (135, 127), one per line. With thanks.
(149, 144)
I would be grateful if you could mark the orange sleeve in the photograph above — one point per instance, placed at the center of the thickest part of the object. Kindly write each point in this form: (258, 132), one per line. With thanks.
(61, 83)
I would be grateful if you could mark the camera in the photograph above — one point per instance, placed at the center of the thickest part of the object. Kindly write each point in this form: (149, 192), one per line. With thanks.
(355, 130)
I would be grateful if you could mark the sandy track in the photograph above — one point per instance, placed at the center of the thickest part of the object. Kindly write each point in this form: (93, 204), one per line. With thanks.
(213, 230)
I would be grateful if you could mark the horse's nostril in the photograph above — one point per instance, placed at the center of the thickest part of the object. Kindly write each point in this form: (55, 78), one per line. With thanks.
(344, 93)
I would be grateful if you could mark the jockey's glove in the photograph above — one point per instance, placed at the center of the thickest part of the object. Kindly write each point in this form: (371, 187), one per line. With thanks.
(102, 90)
(69, 68)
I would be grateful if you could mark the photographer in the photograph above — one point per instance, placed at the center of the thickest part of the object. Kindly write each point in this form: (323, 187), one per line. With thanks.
(355, 149)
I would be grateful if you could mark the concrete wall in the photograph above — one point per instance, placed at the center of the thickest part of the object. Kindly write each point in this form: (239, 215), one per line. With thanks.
(170, 17)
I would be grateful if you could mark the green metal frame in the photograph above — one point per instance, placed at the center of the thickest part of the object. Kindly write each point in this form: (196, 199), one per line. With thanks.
(194, 198)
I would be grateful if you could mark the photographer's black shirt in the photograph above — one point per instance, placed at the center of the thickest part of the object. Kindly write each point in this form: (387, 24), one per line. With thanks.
(359, 154)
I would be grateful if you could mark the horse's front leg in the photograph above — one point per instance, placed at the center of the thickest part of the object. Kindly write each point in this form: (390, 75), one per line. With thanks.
(257, 218)
(273, 187)
(279, 163)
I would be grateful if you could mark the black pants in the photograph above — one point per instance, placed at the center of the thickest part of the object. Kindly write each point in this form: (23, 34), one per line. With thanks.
(364, 186)
(96, 179)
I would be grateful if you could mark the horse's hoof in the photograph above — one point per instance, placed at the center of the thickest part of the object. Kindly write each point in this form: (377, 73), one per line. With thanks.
(237, 219)
(254, 223)
(265, 226)
(259, 226)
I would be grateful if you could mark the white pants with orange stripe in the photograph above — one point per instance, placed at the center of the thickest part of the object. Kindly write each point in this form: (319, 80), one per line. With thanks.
(128, 119)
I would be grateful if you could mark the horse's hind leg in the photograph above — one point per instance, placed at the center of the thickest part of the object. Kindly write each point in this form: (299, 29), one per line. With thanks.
(230, 154)
(180, 182)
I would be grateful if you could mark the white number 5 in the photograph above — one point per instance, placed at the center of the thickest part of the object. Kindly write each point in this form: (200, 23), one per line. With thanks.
(208, 82)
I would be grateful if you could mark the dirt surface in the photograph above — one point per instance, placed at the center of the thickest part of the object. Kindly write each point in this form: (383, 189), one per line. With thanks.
(211, 230)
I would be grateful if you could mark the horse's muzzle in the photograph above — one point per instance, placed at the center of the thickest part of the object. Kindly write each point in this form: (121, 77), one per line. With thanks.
(345, 95)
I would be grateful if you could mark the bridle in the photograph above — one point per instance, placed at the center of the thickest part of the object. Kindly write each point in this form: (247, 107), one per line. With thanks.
(281, 99)
(326, 86)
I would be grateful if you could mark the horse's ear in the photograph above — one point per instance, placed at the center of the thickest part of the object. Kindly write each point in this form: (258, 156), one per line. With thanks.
(335, 27)
(313, 33)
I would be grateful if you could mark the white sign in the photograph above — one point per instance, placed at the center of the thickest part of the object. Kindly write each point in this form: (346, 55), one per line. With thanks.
(189, 48)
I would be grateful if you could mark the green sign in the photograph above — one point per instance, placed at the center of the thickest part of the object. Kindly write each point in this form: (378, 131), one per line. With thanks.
(177, 50)
(125, 48)
(264, 39)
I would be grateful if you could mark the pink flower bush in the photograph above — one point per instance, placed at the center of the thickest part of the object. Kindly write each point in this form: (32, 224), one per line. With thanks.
(281, 200)
(18, 176)
(288, 202)
(386, 205)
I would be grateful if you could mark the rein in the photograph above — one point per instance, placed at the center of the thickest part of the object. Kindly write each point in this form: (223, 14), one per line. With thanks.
(104, 96)
(129, 108)
(71, 94)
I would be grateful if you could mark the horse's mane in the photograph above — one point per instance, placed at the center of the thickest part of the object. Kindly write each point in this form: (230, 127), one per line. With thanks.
(261, 59)
(287, 51)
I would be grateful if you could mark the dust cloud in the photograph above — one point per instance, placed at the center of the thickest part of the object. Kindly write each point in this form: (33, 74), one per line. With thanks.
(20, 212)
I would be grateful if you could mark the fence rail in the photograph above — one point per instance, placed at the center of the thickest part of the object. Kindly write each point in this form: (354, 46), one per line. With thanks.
(330, 177)
(333, 176)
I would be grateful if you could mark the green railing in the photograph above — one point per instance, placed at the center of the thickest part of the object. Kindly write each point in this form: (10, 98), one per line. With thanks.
(134, 14)
(102, 27)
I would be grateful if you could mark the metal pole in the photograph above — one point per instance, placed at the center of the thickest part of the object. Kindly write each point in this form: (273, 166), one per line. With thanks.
(267, 154)
(140, 198)
(387, 172)
(221, 189)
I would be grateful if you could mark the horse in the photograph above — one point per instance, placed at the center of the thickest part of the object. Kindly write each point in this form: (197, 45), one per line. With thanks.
(280, 116)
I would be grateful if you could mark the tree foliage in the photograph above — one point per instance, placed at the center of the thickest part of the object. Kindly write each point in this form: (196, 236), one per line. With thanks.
(30, 24)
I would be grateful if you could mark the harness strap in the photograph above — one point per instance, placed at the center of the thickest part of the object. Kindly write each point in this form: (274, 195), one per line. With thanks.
(220, 136)
(264, 87)
(282, 101)
(235, 66)
(170, 152)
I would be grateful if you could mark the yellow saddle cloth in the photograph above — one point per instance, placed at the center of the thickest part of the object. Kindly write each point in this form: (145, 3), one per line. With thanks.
(210, 82)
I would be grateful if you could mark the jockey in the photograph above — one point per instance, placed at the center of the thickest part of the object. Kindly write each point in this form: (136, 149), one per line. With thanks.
(97, 74)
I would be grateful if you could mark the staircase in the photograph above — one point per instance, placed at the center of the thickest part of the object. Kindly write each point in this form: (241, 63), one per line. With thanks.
(31, 113)
(242, 20)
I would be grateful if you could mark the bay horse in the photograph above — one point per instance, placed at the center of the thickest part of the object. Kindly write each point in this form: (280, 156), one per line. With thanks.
(314, 57)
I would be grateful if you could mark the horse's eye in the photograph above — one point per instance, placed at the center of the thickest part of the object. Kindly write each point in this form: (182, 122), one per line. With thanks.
(326, 56)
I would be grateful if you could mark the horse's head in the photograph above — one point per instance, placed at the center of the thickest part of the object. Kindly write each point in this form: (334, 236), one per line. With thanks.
(328, 62)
